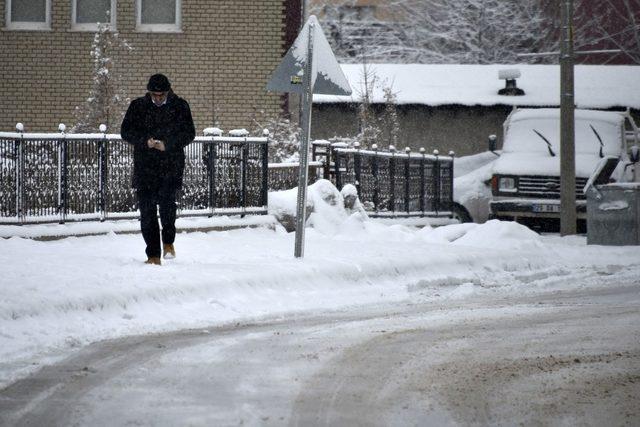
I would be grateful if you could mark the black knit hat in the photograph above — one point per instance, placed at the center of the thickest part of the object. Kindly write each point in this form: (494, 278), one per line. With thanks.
(158, 83)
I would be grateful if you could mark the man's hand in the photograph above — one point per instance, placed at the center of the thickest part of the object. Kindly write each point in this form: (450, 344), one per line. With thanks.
(155, 143)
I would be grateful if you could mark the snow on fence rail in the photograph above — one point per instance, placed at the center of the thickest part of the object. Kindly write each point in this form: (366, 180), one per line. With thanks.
(49, 177)
(396, 184)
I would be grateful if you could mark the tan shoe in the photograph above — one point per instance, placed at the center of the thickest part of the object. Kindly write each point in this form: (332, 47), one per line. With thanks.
(169, 251)
(153, 260)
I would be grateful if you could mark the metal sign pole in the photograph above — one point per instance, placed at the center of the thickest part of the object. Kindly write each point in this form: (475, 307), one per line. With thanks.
(568, 215)
(303, 176)
(298, 74)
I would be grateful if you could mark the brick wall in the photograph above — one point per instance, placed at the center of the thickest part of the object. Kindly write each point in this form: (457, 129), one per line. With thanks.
(220, 62)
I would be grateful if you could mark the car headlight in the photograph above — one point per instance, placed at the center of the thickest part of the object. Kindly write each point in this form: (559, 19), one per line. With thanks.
(507, 184)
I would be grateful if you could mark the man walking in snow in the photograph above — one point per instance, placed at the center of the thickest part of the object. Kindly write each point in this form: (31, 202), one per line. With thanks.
(158, 125)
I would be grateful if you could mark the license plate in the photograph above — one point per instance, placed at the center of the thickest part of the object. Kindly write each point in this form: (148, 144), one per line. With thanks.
(546, 208)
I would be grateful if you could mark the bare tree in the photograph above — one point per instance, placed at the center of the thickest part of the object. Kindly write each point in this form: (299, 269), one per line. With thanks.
(107, 102)
(611, 24)
(475, 31)
(355, 31)
(440, 31)
(369, 131)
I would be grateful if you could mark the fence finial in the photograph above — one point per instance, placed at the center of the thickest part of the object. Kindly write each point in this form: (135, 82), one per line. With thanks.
(62, 127)
(103, 128)
(407, 150)
(356, 145)
(392, 148)
(374, 146)
(265, 132)
(452, 153)
(19, 127)
(436, 152)
(422, 150)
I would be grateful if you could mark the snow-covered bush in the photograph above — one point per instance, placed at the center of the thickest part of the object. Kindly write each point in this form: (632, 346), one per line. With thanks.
(285, 136)
(326, 209)
(389, 124)
(351, 201)
(107, 101)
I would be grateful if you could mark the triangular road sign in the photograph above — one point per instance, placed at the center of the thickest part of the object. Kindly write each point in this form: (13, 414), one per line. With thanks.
(308, 67)
(327, 76)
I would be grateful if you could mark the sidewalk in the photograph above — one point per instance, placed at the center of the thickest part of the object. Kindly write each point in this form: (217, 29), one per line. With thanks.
(129, 226)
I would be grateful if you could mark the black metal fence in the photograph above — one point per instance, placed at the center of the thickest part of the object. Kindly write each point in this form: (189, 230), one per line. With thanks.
(58, 177)
(284, 176)
(394, 184)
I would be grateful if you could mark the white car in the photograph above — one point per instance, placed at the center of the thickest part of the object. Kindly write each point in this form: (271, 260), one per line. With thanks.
(471, 186)
(523, 182)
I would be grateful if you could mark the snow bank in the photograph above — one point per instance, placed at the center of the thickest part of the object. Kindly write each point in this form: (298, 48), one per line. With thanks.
(496, 234)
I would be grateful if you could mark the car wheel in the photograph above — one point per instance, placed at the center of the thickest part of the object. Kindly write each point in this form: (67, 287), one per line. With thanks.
(461, 214)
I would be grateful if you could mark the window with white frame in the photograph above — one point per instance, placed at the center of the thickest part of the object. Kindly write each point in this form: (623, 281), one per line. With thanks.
(158, 15)
(87, 14)
(28, 14)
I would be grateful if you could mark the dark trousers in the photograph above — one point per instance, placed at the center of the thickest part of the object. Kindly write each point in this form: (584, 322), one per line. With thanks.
(148, 202)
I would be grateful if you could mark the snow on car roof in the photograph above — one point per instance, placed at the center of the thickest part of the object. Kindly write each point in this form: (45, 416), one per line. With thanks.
(596, 86)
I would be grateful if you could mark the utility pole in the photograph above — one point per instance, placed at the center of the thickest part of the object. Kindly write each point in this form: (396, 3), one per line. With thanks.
(303, 12)
(568, 215)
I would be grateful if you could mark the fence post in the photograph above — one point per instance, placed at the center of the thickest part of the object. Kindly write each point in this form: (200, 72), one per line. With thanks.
(102, 174)
(422, 182)
(392, 179)
(450, 195)
(327, 163)
(265, 169)
(374, 172)
(357, 165)
(407, 179)
(336, 162)
(243, 177)
(211, 169)
(62, 173)
(436, 182)
(19, 155)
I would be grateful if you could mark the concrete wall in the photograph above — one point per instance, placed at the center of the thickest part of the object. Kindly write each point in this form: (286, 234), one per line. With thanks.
(219, 62)
(463, 130)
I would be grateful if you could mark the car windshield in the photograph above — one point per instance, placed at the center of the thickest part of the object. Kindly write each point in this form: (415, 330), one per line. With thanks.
(542, 134)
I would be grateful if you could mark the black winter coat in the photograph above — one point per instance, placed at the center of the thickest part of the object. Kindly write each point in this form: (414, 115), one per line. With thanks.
(171, 123)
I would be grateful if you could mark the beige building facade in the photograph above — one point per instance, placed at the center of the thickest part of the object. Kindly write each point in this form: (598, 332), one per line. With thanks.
(218, 55)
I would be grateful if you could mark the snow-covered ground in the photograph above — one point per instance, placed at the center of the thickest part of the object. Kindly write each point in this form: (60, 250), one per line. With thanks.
(57, 296)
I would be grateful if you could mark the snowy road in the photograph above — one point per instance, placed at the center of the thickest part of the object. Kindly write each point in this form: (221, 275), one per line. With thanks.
(556, 357)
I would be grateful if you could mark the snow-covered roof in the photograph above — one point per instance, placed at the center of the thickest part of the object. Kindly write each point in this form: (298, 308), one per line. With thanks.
(596, 86)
